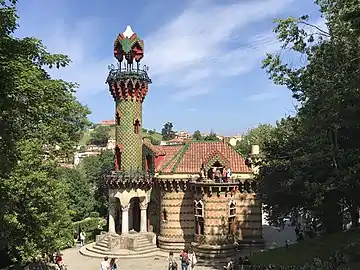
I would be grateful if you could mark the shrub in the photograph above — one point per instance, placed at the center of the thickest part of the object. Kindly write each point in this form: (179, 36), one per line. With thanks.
(89, 225)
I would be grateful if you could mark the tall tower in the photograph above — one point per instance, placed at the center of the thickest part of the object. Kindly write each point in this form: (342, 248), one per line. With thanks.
(128, 85)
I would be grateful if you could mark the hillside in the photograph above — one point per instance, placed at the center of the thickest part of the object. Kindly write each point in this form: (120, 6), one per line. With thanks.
(156, 136)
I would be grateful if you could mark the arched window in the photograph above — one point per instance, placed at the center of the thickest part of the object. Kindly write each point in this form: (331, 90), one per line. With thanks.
(199, 217)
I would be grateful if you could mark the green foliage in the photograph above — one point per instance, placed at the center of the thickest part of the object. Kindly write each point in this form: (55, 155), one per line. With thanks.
(94, 169)
(197, 135)
(40, 123)
(91, 226)
(35, 217)
(85, 225)
(255, 136)
(151, 132)
(312, 163)
(153, 140)
(80, 193)
(167, 131)
(211, 137)
(100, 136)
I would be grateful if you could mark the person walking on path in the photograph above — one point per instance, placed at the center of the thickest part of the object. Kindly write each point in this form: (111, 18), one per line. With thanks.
(184, 257)
(192, 260)
(172, 265)
(82, 238)
(113, 265)
(105, 264)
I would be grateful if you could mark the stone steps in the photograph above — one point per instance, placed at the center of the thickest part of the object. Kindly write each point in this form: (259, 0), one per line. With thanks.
(89, 251)
(144, 249)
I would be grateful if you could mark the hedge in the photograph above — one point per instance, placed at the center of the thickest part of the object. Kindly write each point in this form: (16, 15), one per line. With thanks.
(91, 226)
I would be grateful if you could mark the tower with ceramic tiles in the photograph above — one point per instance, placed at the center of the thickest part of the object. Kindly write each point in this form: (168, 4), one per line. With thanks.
(128, 85)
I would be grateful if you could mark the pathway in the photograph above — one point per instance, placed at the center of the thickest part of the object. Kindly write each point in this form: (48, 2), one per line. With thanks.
(75, 261)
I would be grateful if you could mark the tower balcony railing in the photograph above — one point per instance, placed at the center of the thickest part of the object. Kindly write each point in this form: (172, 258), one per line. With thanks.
(128, 72)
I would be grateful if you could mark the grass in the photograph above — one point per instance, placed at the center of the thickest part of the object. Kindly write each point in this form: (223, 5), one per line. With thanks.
(321, 247)
(87, 135)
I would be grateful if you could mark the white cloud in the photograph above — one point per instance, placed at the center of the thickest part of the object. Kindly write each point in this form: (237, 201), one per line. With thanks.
(193, 48)
(190, 54)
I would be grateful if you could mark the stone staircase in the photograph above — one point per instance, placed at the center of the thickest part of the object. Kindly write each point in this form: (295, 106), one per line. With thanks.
(101, 249)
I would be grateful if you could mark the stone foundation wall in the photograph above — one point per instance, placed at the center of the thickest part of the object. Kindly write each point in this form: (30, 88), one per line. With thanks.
(248, 214)
(216, 215)
(177, 230)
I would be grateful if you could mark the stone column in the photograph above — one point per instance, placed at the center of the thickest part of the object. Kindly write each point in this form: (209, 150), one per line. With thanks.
(143, 217)
(125, 219)
(112, 214)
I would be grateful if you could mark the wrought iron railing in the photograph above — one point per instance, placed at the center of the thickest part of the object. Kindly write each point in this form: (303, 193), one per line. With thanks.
(118, 73)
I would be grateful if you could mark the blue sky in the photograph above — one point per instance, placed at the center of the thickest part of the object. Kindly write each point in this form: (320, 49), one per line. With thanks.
(204, 56)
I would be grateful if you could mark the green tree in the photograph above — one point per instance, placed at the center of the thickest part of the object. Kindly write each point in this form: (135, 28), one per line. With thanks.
(40, 122)
(167, 131)
(95, 169)
(100, 136)
(212, 137)
(153, 140)
(80, 193)
(326, 85)
(255, 136)
(197, 135)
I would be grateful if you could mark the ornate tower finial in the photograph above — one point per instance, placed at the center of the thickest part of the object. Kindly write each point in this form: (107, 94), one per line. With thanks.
(128, 85)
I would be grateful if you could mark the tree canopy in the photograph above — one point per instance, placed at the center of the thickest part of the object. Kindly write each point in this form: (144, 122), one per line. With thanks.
(312, 161)
(254, 136)
(197, 135)
(40, 123)
(100, 136)
(167, 131)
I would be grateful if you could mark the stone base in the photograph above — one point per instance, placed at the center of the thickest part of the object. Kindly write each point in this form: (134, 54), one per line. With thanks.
(171, 244)
(132, 244)
(131, 241)
(220, 253)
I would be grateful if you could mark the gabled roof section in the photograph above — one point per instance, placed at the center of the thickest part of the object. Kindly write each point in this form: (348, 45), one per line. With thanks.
(214, 156)
(188, 158)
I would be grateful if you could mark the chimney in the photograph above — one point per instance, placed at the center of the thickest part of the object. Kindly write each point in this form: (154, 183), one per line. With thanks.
(255, 149)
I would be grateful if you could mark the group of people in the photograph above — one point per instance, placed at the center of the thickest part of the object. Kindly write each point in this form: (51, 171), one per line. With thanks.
(106, 265)
(219, 174)
(187, 261)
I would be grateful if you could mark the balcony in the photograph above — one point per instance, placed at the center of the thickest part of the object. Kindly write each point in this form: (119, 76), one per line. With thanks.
(128, 72)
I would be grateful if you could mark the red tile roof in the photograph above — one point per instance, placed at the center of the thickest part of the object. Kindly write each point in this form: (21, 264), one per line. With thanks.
(188, 158)
(170, 154)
